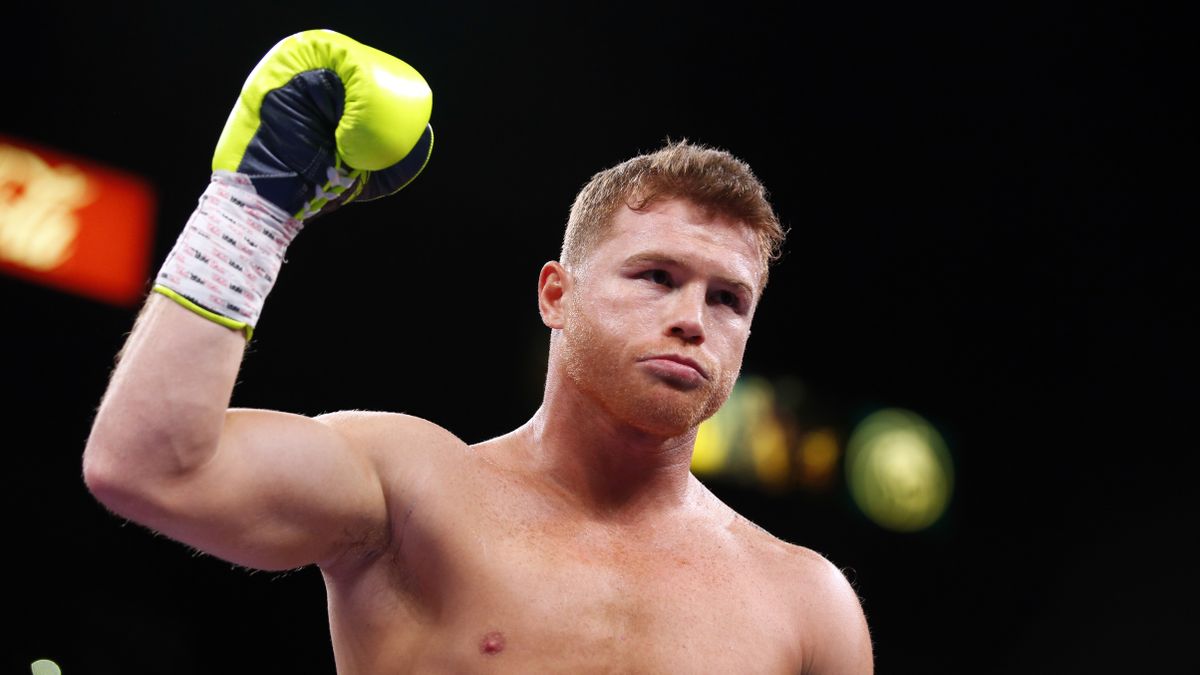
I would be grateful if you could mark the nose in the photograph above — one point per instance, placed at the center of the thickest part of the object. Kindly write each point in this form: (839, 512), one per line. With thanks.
(687, 317)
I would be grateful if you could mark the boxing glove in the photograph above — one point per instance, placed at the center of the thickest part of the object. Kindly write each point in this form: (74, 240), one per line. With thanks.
(321, 121)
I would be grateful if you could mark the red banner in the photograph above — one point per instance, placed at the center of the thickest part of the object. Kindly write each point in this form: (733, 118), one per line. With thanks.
(73, 224)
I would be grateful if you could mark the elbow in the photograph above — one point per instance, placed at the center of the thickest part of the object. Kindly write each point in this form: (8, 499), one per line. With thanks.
(125, 466)
(125, 482)
(103, 474)
(99, 455)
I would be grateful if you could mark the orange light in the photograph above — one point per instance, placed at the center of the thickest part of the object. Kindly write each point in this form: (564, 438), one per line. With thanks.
(74, 225)
(817, 458)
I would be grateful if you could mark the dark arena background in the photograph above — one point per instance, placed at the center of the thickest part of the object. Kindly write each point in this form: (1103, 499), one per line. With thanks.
(988, 243)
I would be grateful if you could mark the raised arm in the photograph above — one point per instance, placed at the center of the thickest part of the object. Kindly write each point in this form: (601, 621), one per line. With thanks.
(321, 120)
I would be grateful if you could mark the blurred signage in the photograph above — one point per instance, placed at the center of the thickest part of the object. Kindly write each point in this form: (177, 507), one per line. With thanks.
(73, 224)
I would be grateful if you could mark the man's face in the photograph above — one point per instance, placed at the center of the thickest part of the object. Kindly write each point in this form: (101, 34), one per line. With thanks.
(657, 320)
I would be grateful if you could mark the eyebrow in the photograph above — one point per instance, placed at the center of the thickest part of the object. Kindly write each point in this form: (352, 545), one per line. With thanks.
(665, 259)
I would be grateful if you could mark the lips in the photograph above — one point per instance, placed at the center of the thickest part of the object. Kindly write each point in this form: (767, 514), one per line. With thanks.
(682, 360)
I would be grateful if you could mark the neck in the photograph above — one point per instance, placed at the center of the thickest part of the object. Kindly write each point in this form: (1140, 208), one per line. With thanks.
(603, 465)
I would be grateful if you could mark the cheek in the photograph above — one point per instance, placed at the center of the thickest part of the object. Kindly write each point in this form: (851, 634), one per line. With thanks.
(616, 314)
(591, 334)
(731, 336)
(733, 349)
(741, 348)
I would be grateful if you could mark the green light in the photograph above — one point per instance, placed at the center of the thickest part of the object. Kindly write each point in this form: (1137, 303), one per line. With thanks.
(899, 470)
(45, 667)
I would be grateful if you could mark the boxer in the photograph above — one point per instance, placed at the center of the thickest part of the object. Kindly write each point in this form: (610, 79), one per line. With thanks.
(580, 541)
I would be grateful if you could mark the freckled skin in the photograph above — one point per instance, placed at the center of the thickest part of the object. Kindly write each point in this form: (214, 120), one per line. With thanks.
(580, 542)
(616, 318)
(577, 543)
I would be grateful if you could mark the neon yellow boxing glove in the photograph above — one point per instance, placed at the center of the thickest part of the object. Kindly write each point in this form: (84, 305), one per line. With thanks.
(322, 120)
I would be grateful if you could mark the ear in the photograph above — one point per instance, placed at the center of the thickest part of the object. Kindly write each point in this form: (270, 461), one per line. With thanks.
(553, 284)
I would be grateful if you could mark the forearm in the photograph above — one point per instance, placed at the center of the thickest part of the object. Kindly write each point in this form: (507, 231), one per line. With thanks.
(321, 121)
(165, 405)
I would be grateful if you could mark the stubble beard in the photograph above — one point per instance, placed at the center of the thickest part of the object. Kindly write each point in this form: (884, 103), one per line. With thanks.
(597, 365)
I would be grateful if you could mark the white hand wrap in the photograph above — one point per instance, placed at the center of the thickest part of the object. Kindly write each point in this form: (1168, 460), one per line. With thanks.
(227, 258)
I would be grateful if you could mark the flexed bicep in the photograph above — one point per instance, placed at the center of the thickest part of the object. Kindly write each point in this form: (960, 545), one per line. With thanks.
(281, 491)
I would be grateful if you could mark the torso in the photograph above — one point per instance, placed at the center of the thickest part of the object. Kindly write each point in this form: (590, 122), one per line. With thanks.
(488, 571)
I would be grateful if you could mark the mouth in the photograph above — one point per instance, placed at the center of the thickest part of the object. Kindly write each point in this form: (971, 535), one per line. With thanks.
(666, 360)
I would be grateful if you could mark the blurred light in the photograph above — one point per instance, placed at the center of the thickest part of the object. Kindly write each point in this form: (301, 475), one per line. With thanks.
(45, 667)
(768, 447)
(38, 225)
(763, 434)
(718, 448)
(73, 225)
(722, 441)
(899, 470)
(712, 448)
(748, 439)
(817, 458)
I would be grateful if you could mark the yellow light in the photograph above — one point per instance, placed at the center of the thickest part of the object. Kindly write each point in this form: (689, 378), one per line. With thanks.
(751, 439)
(768, 447)
(745, 439)
(899, 470)
(45, 667)
(712, 448)
(718, 445)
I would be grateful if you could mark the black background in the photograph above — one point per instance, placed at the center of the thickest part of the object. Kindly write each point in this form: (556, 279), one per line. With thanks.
(987, 227)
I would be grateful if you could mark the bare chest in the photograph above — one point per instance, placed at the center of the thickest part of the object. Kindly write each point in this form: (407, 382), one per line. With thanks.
(515, 589)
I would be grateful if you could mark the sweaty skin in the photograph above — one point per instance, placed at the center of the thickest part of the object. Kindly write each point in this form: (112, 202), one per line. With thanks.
(577, 543)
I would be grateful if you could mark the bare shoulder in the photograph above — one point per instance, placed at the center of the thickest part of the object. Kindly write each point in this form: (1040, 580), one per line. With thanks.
(399, 445)
(811, 571)
(830, 621)
(373, 428)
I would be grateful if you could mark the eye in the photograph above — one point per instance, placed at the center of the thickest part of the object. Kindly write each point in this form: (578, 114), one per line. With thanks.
(658, 276)
(727, 298)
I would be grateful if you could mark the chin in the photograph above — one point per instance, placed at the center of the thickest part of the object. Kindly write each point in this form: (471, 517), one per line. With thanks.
(669, 414)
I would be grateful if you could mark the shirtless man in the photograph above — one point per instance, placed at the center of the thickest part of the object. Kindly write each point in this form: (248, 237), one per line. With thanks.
(579, 542)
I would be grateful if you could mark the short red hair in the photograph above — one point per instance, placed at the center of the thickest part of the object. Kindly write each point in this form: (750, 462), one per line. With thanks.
(708, 177)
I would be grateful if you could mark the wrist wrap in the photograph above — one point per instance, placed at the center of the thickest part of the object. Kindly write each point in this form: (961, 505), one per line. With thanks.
(225, 261)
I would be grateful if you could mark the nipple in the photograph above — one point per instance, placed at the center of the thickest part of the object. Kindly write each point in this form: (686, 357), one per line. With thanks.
(492, 643)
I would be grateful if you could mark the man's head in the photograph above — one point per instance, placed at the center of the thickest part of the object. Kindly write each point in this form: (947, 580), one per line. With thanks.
(712, 179)
(663, 264)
